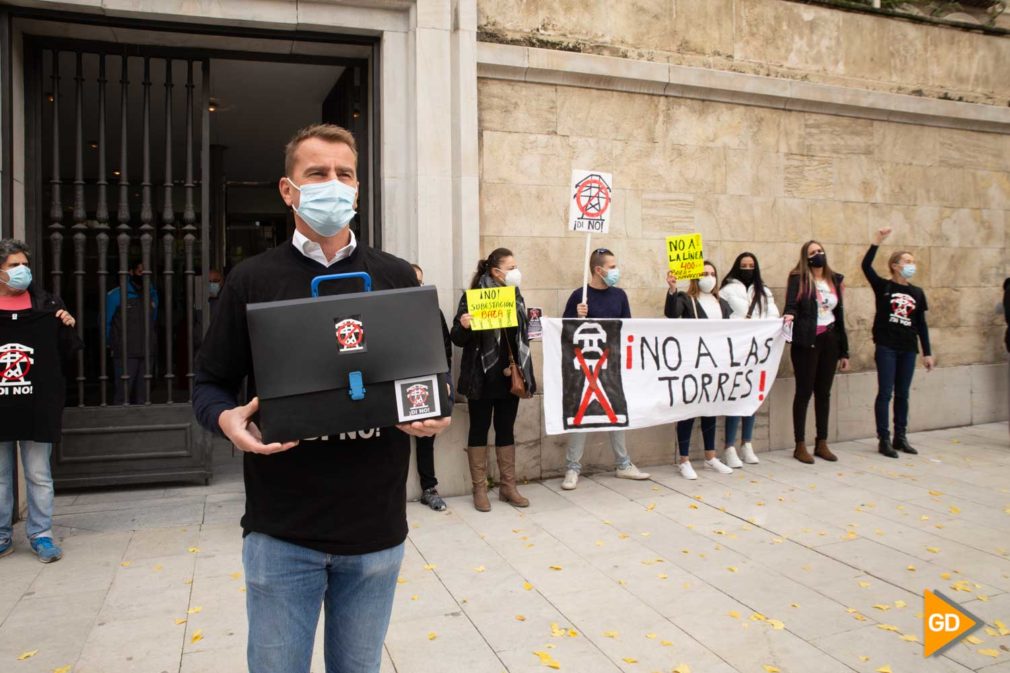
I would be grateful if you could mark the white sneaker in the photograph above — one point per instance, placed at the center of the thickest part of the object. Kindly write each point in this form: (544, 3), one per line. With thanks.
(730, 458)
(749, 456)
(631, 472)
(686, 470)
(571, 480)
(718, 466)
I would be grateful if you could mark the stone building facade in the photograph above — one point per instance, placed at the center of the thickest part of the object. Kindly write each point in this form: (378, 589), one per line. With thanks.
(758, 123)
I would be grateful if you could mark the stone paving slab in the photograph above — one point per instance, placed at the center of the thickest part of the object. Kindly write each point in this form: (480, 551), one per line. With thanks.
(777, 566)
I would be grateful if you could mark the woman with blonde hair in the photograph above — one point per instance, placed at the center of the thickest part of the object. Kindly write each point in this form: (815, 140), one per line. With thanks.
(701, 301)
(898, 327)
(815, 307)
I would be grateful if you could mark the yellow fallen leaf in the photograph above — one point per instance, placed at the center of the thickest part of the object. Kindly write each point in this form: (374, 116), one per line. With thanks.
(734, 614)
(864, 585)
(936, 494)
(414, 597)
(954, 509)
(794, 605)
(682, 668)
(193, 610)
(989, 653)
(197, 636)
(479, 569)
(527, 586)
(732, 569)
(235, 575)
(181, 620)
(630, 660)
(662, 576)
(910, 568)
(888, 627)
(193, 550)
(188, 581)
(429, 566)
(650, 636)
(1003, 630)
(555, 567)
(885, 669)
(520, 618)
(863, 658)
(599, 543)
(770, 669)
(777, 540)
(933, 550)
(991, 631)
(125, 564)
(572, 633)
(692, 506)
(945, 576)
(974, 640)
(645, 533)
(910, 637)
(758, 617)
(923, 518)
(63, 669)
(882, 606)
(900, 604)
(651, 506)
(982, 597)
(158, 567)
(27, 655)
(547, 660)
(401, 580)
(776, 624)
(610, 634)
(665, 643)
(432, 635)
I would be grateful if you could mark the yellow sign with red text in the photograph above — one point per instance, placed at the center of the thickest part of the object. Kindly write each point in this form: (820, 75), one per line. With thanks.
(944, 622)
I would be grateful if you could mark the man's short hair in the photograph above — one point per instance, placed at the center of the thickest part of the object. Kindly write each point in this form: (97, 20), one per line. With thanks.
(331, 133)
(12, 246)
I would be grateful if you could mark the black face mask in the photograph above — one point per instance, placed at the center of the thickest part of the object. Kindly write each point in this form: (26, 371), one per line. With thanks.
(745, 276)
(818, 260)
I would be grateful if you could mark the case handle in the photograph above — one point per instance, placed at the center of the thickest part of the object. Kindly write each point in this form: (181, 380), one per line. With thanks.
(339, 276)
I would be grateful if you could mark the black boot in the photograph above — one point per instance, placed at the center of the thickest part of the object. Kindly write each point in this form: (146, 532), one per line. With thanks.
(901, 444)
(884, 446)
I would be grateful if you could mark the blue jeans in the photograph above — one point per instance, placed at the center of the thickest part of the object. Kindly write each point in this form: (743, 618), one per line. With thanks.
(39, 482)
(733, 422)
(894, 376)
(577, 445)
(707, 434)
(285, 586)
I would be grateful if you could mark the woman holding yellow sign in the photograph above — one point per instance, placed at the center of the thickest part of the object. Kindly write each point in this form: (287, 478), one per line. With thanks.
(496, 370)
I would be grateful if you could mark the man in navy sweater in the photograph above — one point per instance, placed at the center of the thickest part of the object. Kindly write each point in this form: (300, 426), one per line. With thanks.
(603, 300)
(325, 518)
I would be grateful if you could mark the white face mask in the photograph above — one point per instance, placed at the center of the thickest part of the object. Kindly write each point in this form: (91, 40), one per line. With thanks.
(513, 277)
(706, 284)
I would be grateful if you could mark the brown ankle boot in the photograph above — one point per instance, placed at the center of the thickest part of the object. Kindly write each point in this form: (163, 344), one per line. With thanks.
(801, 454)
(507, 490)
(822, 451)
(477, 457)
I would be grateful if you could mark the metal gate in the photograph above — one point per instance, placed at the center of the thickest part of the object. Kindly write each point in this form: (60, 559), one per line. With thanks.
(118, 164)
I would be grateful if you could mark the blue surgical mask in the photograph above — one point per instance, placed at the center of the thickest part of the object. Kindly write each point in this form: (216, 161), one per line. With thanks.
(612, 277)
(908, 270)
(19, 278)
(327, 207)
(214, 288)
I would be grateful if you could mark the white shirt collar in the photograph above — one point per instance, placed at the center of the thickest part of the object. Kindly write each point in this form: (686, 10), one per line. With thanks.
(314, 251)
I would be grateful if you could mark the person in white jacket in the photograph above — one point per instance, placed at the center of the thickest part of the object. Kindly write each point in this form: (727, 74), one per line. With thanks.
(748, 297)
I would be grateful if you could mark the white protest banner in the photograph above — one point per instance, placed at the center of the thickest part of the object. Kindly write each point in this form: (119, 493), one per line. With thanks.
(609, 374)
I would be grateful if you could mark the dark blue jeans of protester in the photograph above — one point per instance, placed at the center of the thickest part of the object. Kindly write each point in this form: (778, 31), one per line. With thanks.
(894, 377)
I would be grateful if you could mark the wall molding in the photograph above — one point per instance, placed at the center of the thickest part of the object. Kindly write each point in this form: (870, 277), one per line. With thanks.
(549, 66)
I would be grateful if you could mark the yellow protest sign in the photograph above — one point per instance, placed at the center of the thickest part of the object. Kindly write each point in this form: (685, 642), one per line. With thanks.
(685, 256)
(492, 307)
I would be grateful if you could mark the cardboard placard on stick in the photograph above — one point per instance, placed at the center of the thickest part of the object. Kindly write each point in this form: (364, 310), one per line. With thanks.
(492, 307)
(589, 208)
(685, 256)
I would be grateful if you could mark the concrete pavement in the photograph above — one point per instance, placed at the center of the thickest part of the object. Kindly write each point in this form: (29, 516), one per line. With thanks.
(780, 566)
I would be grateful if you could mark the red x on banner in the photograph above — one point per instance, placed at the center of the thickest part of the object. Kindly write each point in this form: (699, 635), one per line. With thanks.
(593, 388)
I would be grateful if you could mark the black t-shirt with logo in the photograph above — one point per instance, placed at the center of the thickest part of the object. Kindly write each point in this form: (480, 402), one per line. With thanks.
(900, 321)
(343, 494)
(31, 376)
